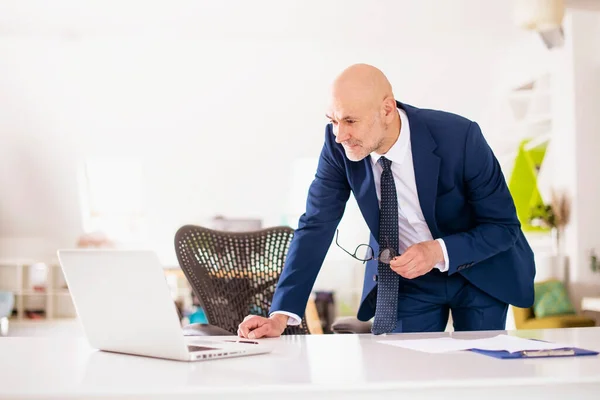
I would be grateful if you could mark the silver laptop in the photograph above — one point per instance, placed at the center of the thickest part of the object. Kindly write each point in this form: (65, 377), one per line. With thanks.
(125, 306)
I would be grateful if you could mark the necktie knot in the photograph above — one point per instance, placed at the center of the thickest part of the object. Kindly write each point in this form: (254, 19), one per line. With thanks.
(385, 163)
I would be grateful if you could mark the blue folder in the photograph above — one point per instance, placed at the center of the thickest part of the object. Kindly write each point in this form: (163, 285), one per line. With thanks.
(564, 352)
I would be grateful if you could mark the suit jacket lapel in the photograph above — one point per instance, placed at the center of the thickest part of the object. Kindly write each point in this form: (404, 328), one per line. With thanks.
(426, 164)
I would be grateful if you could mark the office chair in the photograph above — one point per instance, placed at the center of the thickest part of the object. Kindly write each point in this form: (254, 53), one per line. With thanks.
(233, 274)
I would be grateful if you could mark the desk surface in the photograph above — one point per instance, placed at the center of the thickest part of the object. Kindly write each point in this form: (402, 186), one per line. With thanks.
(327, 366)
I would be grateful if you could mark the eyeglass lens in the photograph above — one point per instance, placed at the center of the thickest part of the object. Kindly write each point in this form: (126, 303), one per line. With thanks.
(387, 255)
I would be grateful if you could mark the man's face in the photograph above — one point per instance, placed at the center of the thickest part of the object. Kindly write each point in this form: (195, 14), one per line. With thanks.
(359, 129)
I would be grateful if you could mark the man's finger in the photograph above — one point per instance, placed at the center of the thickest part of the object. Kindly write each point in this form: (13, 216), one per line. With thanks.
(413, 266)
(262, 331)
(413, 275)
(408, 275)
(417, 272)
(394, 262)
(242, 330)
(403, 260)
(404, 268)
(251, 324)
(397, 269)
(406, 271)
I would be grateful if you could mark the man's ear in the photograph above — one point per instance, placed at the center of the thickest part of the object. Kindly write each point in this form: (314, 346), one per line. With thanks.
(389, 107)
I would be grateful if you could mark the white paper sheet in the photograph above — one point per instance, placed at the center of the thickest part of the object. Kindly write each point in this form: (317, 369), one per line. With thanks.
(447, 344)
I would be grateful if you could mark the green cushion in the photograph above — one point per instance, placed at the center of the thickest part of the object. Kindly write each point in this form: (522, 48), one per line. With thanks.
(551, 299)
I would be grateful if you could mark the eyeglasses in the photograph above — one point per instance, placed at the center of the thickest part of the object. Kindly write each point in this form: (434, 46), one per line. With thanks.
(365, 253)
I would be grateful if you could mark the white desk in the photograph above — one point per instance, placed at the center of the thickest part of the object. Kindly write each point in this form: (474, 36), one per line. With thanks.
(320, 366)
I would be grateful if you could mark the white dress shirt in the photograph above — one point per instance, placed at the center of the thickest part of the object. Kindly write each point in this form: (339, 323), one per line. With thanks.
(412, 227)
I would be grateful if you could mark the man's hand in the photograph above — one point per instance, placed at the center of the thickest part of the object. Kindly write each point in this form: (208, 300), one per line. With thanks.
(255, 326)
(418, 259)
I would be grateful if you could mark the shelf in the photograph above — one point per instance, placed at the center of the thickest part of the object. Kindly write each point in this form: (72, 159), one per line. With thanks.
(41, 321)
(30, 293)
(21, 276)
(45, 293)
(7, 262)
(8, 289)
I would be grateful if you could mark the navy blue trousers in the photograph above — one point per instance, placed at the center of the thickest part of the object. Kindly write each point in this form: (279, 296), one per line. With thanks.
(424, 304)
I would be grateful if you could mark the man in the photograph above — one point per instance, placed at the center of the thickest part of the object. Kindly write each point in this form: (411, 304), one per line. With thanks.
(444, 230)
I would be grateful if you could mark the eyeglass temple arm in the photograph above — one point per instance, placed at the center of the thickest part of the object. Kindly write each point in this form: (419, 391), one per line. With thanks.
(338, 245)
(354, 255)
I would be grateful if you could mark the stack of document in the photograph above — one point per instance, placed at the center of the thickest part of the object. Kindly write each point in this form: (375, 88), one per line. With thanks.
(507, 343)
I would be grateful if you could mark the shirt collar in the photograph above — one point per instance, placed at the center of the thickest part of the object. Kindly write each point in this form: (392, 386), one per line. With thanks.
(397, 153)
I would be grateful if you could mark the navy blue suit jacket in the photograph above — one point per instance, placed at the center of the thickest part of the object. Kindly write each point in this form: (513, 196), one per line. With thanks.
(464, 199)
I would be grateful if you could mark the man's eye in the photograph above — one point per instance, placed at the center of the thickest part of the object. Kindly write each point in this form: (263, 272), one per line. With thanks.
(350, 121)
(333, 122)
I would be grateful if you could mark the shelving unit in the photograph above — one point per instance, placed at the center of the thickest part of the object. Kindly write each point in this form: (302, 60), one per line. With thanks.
(523, 112)
(40, 289)
(522, 120)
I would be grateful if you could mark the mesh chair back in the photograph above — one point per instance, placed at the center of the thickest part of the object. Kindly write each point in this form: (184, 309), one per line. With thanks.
(234, 274)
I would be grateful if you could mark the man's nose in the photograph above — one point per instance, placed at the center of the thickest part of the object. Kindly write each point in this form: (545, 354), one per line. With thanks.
(342, 135)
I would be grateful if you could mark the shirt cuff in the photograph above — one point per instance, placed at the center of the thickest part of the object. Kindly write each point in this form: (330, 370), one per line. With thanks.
(293, 319)
(445, 265)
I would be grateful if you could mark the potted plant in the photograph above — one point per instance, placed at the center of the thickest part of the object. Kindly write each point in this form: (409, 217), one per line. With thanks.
(555, 217)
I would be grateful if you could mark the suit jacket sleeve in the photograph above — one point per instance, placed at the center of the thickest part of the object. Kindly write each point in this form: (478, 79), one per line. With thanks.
(325, 206)
(497, 226)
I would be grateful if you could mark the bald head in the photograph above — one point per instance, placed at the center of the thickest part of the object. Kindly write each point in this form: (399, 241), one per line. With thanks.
(363, 111)
(362, 84)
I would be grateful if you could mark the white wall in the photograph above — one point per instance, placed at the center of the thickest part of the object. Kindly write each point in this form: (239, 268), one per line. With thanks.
(217, 98)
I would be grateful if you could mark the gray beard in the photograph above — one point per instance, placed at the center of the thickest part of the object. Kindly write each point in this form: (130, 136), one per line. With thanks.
(377, 146)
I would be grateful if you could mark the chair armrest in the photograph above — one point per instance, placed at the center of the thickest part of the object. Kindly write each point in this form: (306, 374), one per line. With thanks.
(198, 329)
(350, 325)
